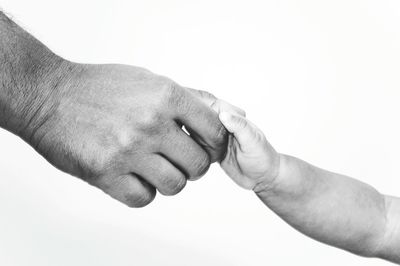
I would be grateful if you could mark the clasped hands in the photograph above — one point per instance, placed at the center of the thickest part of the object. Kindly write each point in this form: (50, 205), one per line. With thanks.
(120, 128)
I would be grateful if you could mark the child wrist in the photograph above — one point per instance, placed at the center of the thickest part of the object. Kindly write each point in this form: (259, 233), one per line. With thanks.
(274, 177)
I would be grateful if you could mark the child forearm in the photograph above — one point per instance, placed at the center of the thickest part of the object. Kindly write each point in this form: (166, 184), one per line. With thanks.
(389, 249)
(330, 208)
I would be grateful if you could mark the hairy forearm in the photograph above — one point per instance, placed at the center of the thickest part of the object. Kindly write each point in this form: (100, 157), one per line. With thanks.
(29, 74)
(333, 209)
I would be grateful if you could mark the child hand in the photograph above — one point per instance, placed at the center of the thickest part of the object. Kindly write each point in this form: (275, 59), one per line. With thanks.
(250, 160)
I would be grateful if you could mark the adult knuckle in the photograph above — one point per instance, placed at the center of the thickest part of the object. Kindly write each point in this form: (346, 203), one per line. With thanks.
(175, 96)
(138, 199)
(149, 118)
(201, 165)
(220, 136)
(124, 140)
(119, 188)
(169, 89)
(218, 146)
(150, 123)
(173, 185)
(207, 95)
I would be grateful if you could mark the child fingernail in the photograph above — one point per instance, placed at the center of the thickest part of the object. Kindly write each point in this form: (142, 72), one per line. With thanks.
(224, 116)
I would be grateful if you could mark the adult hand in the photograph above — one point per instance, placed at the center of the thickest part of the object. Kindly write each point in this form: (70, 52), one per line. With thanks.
(117, 127)
(120, 129)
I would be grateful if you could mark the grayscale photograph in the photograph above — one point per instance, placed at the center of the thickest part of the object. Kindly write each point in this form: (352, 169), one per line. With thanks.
(201, 133)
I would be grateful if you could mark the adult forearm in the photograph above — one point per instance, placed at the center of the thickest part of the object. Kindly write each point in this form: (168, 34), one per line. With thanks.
(328, 207)
(29, 74)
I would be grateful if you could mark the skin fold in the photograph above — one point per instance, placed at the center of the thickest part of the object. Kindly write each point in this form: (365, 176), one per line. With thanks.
(329, 207)
(117, 127)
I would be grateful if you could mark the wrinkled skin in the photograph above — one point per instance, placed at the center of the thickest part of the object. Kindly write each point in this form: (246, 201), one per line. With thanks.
(120, 129)
(250, 160)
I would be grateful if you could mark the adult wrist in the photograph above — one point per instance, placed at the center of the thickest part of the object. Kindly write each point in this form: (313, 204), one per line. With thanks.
(30, 77)
(31, 94)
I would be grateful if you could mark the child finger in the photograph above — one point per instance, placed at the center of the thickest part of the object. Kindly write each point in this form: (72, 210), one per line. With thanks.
(221, 106)
(238, 126)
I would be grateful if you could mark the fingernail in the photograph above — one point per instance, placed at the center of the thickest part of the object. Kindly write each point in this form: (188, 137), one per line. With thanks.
(224, 116)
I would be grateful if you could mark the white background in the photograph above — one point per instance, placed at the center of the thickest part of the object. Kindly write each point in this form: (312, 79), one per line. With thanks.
(320, 78)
